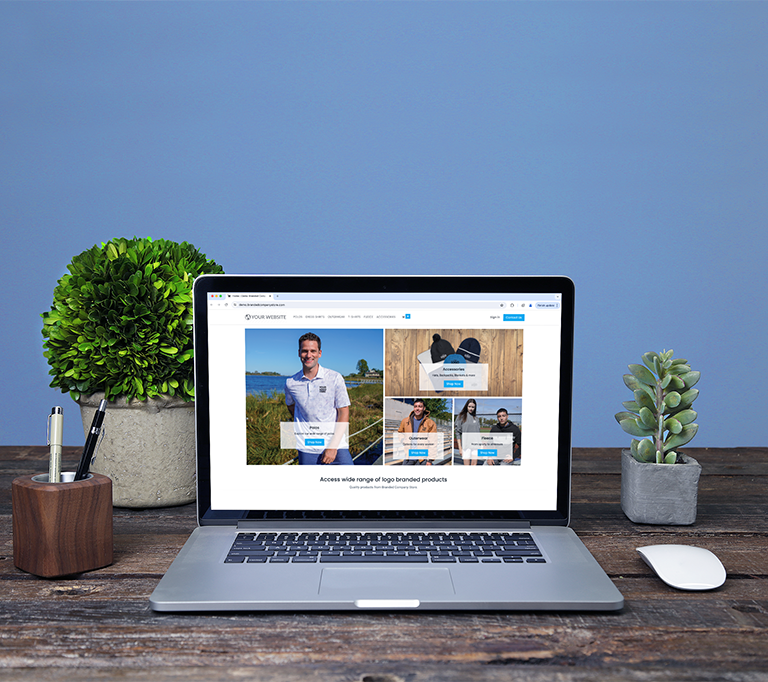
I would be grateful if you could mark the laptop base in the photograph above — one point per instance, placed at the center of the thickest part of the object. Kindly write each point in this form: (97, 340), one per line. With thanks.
(570, 579)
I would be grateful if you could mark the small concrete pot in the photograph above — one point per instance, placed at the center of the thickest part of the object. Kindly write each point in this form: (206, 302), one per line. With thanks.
(661, 494)
(148, 450)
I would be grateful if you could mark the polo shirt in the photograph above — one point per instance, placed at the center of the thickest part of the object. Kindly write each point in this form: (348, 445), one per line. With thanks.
(316, 400)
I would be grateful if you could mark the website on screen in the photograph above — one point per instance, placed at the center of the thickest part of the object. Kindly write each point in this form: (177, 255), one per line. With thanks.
(384, 401)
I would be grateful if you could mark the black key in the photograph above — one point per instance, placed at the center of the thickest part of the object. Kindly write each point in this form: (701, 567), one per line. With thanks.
(373, 559)
(246, 553)
(247, 545)
(234, 560)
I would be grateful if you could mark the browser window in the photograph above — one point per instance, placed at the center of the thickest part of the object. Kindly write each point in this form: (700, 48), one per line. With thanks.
(383, 401)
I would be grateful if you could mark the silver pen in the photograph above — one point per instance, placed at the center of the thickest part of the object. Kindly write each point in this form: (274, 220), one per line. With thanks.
(55, 440)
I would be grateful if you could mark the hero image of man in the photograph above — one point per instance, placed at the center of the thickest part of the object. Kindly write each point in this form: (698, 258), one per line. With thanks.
(307, 417)
(315, 395)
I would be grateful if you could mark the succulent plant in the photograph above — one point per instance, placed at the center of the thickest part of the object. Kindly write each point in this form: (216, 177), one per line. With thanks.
(121, 320)
(660, 416)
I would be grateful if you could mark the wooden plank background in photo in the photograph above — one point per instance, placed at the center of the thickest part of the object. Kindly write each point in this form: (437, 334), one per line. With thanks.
(500, 349)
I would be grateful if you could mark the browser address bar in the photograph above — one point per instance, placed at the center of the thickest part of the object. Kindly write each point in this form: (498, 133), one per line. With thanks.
(495, 305)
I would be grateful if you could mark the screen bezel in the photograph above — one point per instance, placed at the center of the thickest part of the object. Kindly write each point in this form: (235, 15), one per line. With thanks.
(491, 284)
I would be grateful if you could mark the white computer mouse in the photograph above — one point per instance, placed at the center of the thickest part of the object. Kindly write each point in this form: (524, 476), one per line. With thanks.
(684, 567)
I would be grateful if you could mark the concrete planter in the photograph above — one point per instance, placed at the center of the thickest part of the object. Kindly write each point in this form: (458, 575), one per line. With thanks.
(148, 450)
(662, 494)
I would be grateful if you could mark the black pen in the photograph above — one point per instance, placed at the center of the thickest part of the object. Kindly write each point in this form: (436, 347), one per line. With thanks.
(90, 442)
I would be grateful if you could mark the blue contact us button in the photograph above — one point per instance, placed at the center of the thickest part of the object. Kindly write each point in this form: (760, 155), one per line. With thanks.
(514, 318)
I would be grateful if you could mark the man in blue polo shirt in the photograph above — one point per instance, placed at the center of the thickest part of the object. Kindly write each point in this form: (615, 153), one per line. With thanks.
(317, 395)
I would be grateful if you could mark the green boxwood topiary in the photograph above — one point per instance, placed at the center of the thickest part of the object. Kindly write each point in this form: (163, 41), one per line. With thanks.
(121, 320)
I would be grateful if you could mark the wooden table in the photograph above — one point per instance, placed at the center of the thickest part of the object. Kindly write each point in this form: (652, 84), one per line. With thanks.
(89, 626)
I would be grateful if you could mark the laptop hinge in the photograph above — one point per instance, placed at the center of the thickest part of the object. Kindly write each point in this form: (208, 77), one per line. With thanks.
(381, 525)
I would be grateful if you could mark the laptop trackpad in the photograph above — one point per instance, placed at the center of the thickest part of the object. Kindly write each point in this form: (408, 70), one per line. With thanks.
(406, 583)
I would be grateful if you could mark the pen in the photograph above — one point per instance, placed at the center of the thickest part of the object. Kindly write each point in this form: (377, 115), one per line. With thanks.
(90, 441)
(55, 440)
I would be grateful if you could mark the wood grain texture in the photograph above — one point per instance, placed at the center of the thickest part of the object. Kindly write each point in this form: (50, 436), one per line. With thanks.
(98, 625)
(62, 528)
(501, 350)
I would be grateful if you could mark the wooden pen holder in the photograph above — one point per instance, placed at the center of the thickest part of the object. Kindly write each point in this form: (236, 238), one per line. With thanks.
(62, 528)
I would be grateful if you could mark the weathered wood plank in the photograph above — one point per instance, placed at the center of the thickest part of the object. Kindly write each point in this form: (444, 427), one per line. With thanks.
(96, 633)
(20, 591)
(387, 672)
(150, 556)
(746, 461)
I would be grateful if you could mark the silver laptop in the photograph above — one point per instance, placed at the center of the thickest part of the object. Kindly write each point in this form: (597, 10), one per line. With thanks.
(360, 446)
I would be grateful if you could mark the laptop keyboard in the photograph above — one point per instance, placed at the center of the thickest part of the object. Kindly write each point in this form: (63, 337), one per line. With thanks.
(420, 547)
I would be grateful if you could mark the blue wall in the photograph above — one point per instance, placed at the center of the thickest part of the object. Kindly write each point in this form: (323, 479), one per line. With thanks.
(623, 144)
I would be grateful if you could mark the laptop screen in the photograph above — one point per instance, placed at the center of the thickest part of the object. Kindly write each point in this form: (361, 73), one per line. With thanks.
(383, 396)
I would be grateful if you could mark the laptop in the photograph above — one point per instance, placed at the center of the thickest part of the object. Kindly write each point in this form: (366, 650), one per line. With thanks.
(360, 447)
